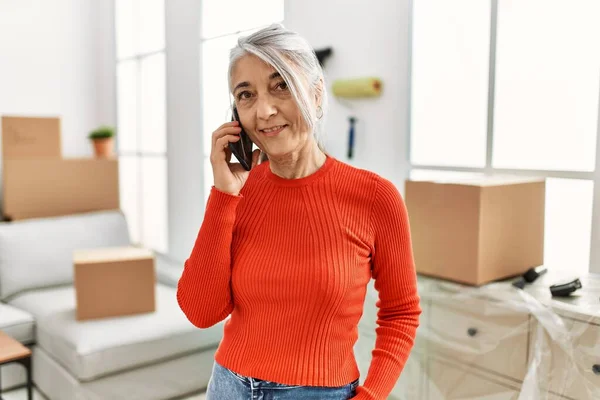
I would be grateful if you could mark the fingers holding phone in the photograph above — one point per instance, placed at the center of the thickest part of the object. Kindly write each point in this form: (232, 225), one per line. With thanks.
(225, 134)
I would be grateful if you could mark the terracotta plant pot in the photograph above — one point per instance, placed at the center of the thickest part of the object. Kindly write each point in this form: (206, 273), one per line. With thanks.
(103, 148)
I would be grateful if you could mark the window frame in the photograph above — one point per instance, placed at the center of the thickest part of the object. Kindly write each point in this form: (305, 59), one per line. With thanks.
(139, 155)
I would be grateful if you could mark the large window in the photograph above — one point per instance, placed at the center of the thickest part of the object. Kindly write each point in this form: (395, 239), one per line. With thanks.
(220, 29)
(512, 86)
(141, 119)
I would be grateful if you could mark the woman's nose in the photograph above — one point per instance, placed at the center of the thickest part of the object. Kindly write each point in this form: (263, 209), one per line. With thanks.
(266, 109)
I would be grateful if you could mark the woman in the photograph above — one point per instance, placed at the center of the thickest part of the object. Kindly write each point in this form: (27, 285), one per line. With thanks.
(287, 249)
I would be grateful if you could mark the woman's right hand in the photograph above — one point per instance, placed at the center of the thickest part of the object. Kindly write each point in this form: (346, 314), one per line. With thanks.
(228, 177)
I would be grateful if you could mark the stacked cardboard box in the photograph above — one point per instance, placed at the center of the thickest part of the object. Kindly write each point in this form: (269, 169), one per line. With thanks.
(39, 182)
(477, 230)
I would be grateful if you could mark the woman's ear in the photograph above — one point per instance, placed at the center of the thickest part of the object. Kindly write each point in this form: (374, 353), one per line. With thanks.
(319, 92)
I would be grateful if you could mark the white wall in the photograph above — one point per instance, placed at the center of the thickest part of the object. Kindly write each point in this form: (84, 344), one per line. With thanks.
(57, 59)
(370, 39)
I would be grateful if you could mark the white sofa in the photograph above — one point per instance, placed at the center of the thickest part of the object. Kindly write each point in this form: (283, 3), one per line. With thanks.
(158, 355)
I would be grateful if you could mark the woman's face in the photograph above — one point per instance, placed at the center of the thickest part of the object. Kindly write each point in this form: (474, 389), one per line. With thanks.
(267, 108)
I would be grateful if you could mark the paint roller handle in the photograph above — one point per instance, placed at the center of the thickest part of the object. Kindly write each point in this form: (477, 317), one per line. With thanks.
(351, 137)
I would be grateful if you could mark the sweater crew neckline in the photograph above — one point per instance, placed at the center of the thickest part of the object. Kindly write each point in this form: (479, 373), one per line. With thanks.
(297, 182)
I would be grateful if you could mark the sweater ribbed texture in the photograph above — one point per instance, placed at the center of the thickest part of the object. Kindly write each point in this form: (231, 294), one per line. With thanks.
(289, 260)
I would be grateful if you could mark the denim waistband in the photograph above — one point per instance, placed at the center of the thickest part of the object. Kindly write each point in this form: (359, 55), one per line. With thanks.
(261, 383)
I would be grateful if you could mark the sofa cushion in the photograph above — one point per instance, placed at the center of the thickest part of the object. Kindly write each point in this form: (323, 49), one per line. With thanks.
(17, 324)
(38, 253)
(93, 348)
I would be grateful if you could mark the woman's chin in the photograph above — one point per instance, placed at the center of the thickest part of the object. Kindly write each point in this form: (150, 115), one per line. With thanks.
(278, 152)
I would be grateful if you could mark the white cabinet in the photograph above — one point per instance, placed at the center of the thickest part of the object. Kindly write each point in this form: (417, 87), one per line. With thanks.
(569, 366)
(497, 342)
(450, 381)
(481, 333)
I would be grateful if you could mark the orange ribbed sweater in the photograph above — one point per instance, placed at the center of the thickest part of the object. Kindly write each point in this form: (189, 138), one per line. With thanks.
(289, 261)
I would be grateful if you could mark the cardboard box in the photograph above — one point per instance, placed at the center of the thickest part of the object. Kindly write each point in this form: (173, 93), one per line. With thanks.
(479, 230)
(35, 188)
(115, 281)
(30, 138)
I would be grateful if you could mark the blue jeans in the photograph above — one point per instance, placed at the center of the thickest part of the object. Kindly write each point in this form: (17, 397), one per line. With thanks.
(225, 384)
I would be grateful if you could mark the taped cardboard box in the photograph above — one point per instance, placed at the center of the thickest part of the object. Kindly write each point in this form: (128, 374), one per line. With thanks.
(30, 138)
(476, 230)
(114, 281)
(35, 188)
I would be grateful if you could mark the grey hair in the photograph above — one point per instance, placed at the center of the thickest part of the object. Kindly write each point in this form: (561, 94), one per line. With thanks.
(295, 60)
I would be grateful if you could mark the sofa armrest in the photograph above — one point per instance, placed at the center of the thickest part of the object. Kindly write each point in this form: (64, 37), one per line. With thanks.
(16, 323)
(168, 271)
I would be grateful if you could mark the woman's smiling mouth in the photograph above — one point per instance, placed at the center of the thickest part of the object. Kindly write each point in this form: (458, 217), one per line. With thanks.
(272, 131)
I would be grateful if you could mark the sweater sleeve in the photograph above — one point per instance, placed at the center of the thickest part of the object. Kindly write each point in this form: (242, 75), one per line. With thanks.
(398, 304)
(204, 290)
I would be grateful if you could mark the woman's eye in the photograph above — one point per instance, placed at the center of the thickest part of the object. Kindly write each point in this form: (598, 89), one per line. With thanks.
(244, 95)
(282, 85)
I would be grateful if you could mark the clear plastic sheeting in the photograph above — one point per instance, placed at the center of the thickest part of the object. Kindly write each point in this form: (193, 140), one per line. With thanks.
(497, 342)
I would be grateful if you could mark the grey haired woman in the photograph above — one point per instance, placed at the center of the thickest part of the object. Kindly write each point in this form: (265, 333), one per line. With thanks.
(286, 250)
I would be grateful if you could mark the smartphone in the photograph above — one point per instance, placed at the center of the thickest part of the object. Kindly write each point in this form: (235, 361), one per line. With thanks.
(242, 149)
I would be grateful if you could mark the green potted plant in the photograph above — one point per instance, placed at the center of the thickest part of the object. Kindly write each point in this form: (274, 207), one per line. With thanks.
(103, 140)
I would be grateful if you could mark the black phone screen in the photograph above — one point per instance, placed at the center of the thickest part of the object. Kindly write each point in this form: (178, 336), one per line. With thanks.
(242, 149)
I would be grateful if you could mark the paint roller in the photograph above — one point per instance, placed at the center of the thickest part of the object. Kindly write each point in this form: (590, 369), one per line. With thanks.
(357, 87)
(353, 89)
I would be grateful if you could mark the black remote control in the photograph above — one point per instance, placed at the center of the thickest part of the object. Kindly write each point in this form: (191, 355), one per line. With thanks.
(565, 288)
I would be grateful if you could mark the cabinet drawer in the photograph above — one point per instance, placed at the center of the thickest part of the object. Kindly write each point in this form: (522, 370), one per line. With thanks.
(571, 370)
(448, 381)
(482, 333)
